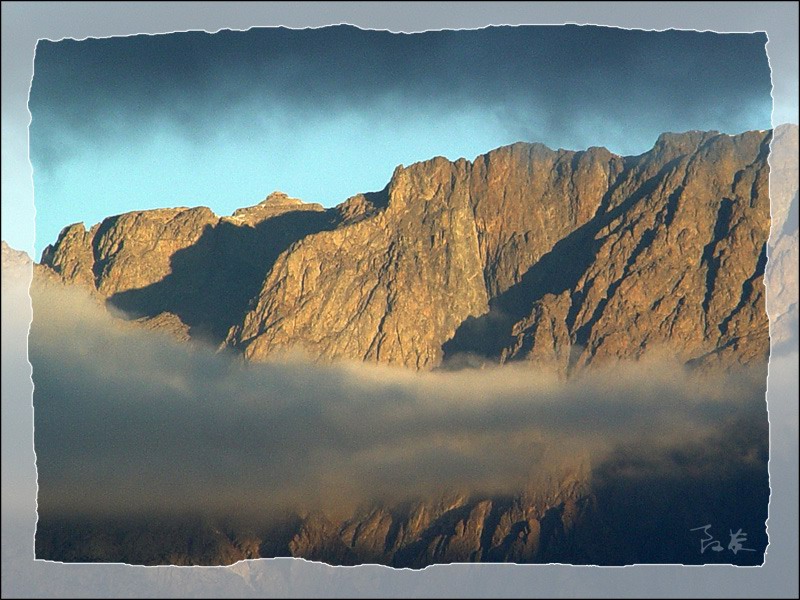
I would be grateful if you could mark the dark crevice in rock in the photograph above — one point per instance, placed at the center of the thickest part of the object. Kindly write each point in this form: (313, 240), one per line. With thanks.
(414, 554)
(747, 290)
(712, 262)
(99, 264)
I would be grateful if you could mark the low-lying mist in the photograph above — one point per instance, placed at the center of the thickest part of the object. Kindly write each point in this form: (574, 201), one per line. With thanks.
(132, 422)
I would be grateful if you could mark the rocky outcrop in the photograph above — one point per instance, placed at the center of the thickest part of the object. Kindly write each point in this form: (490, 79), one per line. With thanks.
(558, 257)
(387, 288)
(183, 268)
(395, 284)
(676, 259)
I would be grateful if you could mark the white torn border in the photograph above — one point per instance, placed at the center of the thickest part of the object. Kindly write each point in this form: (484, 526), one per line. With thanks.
(237, 566)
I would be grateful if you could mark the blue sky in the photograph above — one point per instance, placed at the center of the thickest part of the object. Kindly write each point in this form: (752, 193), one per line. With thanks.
(223, 119)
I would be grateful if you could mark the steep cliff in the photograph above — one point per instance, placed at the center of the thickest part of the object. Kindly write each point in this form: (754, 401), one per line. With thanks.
(533, 254)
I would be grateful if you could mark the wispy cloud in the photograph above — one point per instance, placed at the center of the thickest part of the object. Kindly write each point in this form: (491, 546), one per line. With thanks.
(129, 421)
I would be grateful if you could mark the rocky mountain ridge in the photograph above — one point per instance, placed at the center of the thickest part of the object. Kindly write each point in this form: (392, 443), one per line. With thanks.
(557, 257)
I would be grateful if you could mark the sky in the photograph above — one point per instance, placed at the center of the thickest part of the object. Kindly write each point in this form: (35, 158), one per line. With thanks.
(222, 120)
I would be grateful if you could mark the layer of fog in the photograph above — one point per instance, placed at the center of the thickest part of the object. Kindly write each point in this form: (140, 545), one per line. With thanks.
(130, 421)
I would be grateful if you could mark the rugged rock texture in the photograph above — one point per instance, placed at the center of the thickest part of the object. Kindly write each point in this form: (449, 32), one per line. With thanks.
(675, 259)
(558, 257)
(387, 288)
(533, 254)
(184, 269)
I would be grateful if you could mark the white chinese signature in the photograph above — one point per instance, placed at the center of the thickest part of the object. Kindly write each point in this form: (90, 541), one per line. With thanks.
(735, 544)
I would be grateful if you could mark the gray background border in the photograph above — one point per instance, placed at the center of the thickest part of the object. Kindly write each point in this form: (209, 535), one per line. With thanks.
(23, 23)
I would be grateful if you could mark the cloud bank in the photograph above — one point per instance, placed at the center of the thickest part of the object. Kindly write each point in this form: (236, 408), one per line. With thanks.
(561, 76)
(223, 119)
(129, 422)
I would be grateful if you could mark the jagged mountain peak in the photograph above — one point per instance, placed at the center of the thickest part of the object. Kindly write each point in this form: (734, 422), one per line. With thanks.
(278, 197)
(525, 253)
(276, 203)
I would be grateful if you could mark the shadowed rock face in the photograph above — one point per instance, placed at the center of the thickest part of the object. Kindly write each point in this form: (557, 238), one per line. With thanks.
(183, 269)
(558, 257)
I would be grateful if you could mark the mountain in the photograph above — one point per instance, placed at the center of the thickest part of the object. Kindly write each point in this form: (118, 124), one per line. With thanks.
(524, 254)
(556, 258)
(184, 268)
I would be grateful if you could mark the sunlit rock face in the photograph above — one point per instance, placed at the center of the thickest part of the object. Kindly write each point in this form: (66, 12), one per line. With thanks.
(562, 258)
